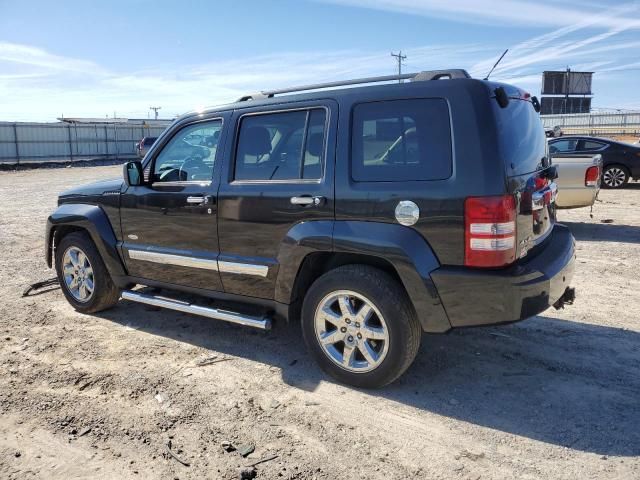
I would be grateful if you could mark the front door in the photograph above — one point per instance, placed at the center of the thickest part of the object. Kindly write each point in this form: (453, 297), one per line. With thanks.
(169, 224)
(278, 172)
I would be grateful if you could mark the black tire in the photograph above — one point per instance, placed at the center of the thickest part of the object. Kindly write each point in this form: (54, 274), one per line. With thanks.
(105, 294)
(615, 176)
(390, 299)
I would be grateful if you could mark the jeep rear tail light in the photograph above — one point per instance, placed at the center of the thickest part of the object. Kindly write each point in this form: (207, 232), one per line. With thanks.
(490, 231)
(592, 176)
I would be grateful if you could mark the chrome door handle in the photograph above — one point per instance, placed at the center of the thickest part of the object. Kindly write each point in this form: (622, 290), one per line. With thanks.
(196, 200)
(305, 201)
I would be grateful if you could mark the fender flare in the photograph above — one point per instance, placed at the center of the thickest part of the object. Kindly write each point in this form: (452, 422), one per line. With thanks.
(95, 222)
(301, 240)
(404, 248)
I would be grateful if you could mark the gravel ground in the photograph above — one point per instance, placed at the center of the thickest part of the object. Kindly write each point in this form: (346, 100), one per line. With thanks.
(556, 396)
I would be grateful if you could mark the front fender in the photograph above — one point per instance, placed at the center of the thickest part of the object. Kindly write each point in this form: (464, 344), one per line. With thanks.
(95, 222)
(410, 255)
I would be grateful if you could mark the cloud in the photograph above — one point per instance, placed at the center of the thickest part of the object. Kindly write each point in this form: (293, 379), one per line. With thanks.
(36, 84)
(495, 12)
(37, 57)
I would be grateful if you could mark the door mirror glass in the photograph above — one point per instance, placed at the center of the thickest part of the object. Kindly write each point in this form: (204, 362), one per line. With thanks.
(132, 172)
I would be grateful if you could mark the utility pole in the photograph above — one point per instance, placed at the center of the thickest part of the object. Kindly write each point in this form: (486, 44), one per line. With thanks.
(155, 111)
(566, 90)
(400, 58)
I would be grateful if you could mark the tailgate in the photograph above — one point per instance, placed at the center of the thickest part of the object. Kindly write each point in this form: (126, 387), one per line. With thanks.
(530, 176)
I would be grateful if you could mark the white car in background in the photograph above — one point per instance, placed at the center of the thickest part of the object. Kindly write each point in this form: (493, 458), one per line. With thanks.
(578, 179)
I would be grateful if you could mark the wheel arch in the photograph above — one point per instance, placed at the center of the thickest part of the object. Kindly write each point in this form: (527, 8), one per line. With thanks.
(91, 219)
(397, 250)
(619, 165)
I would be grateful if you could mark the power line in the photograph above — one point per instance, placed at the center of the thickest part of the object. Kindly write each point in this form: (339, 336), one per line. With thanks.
(400, 58)
(155, 111)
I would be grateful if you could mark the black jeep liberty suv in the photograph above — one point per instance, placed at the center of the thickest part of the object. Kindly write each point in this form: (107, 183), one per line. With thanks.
(372, 213)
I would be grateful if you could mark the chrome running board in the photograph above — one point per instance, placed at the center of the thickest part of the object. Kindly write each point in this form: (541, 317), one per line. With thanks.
(263, 323)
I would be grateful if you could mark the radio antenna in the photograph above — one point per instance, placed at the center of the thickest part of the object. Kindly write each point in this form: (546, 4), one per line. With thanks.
(496, 64)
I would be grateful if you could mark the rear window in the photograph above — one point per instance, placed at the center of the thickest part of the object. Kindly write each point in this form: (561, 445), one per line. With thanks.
(401, 140)
(521, 137)
(591, 145)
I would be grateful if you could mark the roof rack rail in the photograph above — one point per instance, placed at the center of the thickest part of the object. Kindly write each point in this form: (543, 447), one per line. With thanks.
(414, 77)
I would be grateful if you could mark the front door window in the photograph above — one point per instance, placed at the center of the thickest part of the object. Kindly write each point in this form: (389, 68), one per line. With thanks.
(190, 154)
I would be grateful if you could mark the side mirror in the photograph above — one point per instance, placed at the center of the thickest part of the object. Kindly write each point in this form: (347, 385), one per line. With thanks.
(132, 173)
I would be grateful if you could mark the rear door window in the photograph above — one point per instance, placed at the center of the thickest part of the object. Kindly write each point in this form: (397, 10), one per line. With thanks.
(281, 146)
(401, 140)
(590, 145)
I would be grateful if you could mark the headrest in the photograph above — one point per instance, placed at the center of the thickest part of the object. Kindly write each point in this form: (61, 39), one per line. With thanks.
(314, 144)
(255, 141)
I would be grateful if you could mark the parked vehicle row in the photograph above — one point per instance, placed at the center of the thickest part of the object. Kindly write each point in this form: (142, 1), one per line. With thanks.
(372, 214)
(620, 160)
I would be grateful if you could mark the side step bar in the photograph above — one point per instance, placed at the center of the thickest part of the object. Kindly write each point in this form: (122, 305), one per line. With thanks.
(264, 323)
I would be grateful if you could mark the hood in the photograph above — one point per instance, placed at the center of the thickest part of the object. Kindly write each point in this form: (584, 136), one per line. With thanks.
(96, 189)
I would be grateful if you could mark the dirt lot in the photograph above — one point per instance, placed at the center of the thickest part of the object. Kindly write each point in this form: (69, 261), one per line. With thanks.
(556, 396)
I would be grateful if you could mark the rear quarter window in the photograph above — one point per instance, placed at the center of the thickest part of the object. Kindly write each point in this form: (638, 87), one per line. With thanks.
(401, 140)
(521, 139)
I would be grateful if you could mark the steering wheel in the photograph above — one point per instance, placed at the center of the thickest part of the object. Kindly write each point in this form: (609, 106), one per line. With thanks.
(191, 166)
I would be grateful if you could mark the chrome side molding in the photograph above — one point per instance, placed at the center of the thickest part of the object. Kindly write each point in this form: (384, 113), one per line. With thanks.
(243, 268)
(263, 323)
(169, 259)
(195, 262)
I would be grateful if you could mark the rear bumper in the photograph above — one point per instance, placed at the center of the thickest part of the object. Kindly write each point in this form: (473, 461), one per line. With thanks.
(484, 297)
(576, 197)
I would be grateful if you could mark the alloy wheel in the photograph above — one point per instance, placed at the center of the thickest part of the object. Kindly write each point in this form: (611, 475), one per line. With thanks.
(78, 274)
(614, 177)
(351, 331)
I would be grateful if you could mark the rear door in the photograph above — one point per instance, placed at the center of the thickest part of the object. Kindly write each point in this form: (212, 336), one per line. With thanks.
(278, 173)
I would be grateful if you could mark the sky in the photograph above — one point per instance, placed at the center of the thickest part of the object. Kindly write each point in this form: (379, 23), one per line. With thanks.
(119, 57)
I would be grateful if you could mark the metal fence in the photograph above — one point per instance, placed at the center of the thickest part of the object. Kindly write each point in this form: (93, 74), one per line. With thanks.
(63, 142)
(616, 123)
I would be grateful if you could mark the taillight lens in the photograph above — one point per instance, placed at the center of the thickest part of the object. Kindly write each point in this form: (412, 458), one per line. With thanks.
(591, 176)
(490, 231)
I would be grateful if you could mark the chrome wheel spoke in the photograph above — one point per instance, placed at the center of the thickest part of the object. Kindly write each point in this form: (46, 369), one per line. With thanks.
(330, 338)
(364, 313)
(347, 355)
(330, 316)
(345, 306)
(73, 256)
(88, 283)
(374, 333)
(68, 270)
(368, 353)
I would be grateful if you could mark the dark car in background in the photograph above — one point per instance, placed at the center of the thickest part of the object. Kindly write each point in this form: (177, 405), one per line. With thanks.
(620, 160)
(143, 145)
